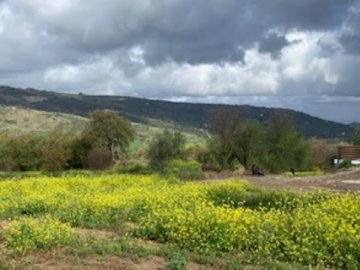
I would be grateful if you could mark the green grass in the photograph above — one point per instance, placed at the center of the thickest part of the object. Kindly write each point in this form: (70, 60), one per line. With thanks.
(306, 173)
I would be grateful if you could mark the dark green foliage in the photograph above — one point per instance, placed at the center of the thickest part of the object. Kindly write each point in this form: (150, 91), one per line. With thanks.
(185, 169)
(277, 147)
(166, 147)
(27, 152)
(345, 164)
(98, 159)
(133, 169)
(249, 145)
(286, 147)
(177, 261)
(109, 131)
(215, 158)
(356, 136)
(140, 110)
(224, 124)
(321, 154)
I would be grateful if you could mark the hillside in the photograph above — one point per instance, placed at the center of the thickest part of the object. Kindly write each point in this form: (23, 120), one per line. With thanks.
(154, 111)
(21, 120)
(18, 119)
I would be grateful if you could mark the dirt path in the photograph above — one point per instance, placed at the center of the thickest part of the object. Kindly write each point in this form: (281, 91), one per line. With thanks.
(348, 180)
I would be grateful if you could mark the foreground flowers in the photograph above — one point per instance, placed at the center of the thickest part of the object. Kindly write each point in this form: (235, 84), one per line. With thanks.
(313, 229)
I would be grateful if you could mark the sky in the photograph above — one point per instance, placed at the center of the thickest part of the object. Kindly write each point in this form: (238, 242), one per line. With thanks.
(298, 54)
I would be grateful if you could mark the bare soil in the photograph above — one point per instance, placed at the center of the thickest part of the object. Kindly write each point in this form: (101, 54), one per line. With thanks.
(348, 180)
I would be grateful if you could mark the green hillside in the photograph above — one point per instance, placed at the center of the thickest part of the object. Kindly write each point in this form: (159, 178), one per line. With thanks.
(22, 120)
(186, 115)
(18, 119)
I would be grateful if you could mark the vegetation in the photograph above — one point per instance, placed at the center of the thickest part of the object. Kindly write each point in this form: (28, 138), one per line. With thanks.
(28, 152)
(286, 147)
(108, 131)
(143, 110)
(165, 147)
(27, 234)
(225, 225)
(277, 147)
(184, 169)
(310, 229)
(356, 136)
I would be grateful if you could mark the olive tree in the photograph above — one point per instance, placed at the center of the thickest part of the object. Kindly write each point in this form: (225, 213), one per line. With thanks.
(107, 130)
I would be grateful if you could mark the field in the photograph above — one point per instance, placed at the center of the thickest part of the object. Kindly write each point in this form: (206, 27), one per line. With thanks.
(144, 222)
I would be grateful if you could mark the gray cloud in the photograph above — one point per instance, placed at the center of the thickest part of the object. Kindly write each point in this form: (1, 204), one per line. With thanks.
(177, 48)
(350, 39)
(273, 44)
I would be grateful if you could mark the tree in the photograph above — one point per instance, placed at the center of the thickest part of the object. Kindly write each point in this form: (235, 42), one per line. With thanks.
(109, 131)
(356, 136)
(286, 147)
(224, 124)
(248, 144)
(165, 147)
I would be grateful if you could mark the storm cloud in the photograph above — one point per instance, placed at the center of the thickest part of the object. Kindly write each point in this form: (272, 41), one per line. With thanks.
(183, 49)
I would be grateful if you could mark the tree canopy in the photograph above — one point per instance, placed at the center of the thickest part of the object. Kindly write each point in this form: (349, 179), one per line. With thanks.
(356, 136)
(165, 147)
(107, 130)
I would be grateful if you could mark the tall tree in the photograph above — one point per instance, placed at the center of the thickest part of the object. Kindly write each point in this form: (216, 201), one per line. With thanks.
(107, 130)
(356, 136)
(224, 124)
(248, 144)
(286, 147)
(166, 147)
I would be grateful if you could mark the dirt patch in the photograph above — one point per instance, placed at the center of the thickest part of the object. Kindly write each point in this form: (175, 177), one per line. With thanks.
(341, 181)
(348, 180)
(97, 234)
(3, 223)
(196, 266)
(58, 261)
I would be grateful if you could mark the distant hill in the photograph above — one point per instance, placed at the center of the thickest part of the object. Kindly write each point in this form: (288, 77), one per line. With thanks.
(19, 120)
(155, 111)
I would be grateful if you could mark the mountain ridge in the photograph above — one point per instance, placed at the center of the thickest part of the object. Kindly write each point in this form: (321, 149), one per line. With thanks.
(147, 110)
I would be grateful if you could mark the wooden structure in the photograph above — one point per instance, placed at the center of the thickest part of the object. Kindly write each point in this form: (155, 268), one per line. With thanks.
(348, 153)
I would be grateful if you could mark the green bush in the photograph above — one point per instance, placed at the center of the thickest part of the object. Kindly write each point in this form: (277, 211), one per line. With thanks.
(31, 151)
(177, 262)
(27, 234)
(141, 169)
(345, 164)
(165, 147)
(184, 169)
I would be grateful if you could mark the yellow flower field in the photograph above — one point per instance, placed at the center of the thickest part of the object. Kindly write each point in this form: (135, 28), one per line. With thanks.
(235, 217)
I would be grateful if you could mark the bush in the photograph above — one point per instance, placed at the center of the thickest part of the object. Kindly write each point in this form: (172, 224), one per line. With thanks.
(185, 170)
(98, 159)
(166, 147)
(177, 262)
(31, 151)
(27, 234)
(321, 154)
(345, 164)
(140, 169)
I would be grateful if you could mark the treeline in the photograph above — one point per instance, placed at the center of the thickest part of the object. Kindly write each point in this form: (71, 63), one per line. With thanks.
(272, 147)
(275, 147)
(96, 147)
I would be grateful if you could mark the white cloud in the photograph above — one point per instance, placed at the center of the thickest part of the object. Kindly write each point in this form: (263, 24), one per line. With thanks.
(181, 49)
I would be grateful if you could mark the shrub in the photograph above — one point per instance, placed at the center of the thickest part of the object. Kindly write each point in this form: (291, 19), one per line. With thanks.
(345, 164)
(321, 154)
(166, 147)
(98, 159)
(140, 169)
(30, 151)
(27, 234)
(184, 169)
(177, 262)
